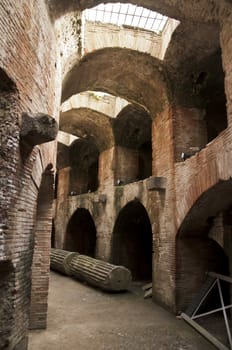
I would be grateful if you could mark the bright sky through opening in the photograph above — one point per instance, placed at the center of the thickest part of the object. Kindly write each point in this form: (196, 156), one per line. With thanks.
(127, 14)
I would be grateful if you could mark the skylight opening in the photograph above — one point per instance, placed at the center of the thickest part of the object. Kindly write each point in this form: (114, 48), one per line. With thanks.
(127, 14)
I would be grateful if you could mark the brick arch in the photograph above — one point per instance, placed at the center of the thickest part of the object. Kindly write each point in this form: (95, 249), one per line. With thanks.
(86, 122)
(196, 253)
(105, 70)
(203, 201)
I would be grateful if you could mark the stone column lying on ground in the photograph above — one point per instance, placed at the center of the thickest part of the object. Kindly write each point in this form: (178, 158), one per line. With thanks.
(59, 260)
(96, 272)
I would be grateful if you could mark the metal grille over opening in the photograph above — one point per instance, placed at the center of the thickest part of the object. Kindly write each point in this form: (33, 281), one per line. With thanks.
(127, 14)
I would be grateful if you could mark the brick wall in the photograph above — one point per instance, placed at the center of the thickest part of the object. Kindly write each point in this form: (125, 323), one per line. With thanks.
(27, 40)
(189, 130)
(127, 166)
(41, 252)
(226, 46)
(195, 257)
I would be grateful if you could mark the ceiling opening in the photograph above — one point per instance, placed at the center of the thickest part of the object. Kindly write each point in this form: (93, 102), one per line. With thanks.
(127, 15)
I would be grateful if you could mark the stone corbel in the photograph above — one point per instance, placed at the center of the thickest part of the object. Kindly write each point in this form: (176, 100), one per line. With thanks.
(156, 183)
(38, 128)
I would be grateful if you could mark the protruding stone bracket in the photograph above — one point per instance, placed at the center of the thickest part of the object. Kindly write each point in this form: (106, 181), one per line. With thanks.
(156, 183)
(38, 128)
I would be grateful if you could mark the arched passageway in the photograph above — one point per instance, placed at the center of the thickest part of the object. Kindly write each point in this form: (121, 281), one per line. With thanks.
(203, 243)
(132, 241)
(81, 233)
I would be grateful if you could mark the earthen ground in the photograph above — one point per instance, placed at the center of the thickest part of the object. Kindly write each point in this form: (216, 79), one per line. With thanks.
(84, 318)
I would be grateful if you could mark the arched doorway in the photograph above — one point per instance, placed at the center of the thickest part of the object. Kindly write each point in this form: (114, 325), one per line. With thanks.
(132, 241)
(81, 233)
(203, 245)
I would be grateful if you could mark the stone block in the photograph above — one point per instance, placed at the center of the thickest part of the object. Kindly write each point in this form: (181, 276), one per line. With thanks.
(38, 128)
(156, 183)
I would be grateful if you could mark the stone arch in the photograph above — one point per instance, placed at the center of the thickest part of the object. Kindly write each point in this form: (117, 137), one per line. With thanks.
(85, 122)
(105, 70)
(106, 104)
(132, 127)
(131, 244)
(81, 233)
(213, 200)
(196, 251)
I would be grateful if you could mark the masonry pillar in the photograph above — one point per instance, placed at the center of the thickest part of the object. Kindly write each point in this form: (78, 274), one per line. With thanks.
(106, 168)
(41, 254)
(164, 234)
(61, 219)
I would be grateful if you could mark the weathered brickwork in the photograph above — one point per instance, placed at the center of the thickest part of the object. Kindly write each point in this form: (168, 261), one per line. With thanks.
(41, 53)
(27, 38)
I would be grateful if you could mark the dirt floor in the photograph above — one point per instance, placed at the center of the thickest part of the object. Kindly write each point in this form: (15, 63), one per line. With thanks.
(84, 318)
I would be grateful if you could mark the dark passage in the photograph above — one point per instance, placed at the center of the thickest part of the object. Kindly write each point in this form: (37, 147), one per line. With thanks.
(132, 241)
(81, 233)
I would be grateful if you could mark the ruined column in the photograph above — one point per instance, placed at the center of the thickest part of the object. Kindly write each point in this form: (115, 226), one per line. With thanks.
(96, 272)
(60, 259)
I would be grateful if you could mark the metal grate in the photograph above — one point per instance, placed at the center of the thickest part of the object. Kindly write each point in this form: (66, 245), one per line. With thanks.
(127, 14)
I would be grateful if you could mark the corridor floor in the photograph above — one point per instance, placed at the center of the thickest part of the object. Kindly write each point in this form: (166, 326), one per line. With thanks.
(84, 318)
